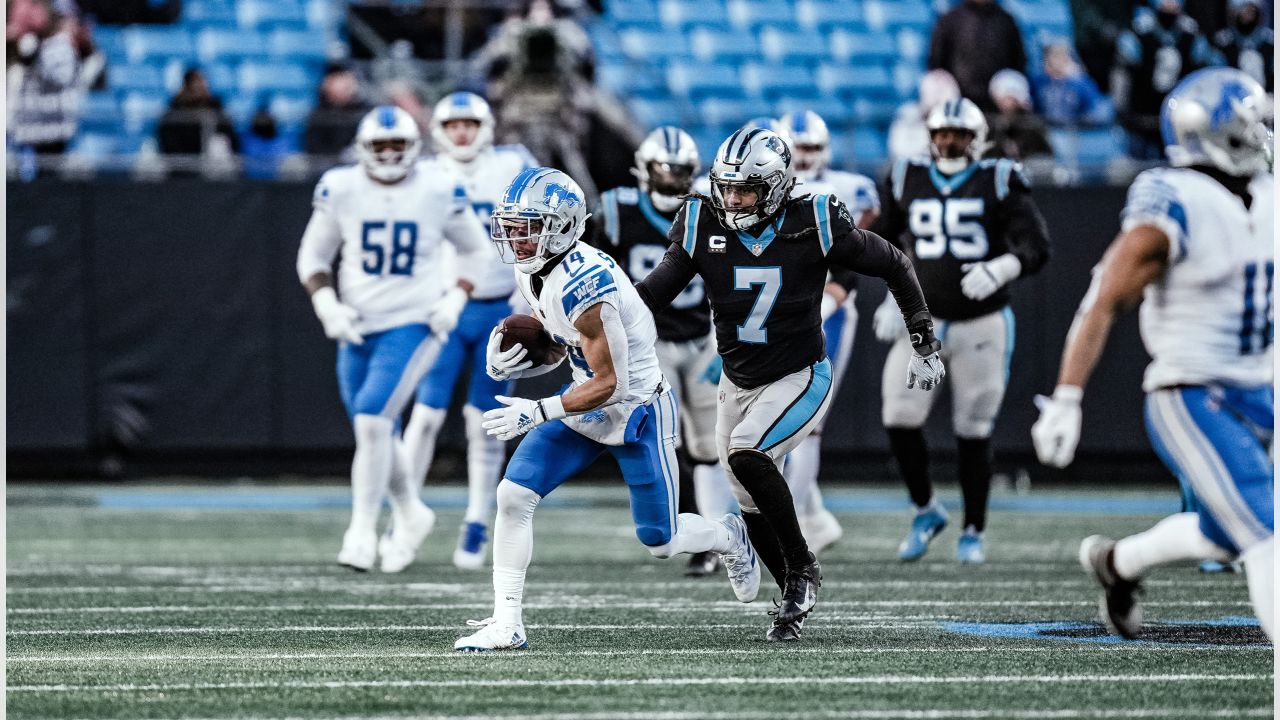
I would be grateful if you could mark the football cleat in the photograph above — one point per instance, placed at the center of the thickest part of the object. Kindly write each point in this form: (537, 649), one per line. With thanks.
(821, 530)
(399, 545)
(492, 636)
(703, 564)
(799, 593)
(969, 549)
(924, 528)
(1119, 603)
(469, 555)
(741, 562)
(785, 632)
(359, 549)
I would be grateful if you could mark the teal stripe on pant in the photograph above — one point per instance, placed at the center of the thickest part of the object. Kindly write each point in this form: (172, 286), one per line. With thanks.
(805, 407)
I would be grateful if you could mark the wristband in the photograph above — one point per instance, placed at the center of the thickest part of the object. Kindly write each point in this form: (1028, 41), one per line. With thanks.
(1068, 394)
(552, 408)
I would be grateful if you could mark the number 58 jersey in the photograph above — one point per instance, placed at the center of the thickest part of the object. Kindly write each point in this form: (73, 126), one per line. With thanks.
(389, 238)
(945, 222)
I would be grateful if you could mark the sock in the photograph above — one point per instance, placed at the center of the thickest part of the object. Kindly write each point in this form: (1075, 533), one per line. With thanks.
(512, 549)
(913, 461)
(695, 534)
(1260, 573)
(711, 486)
(402, 492)
(420, 442)
(485, 455)
(802, 474)
(766, 544)
(688, 497)
(761, 479)
(973, 460)
(370, 470)
(1174, 538)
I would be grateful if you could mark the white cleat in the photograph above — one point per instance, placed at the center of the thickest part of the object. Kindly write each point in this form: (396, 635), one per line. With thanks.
(399, 546)
(359, 549)
(491, 636)
(821, 530)
(741, 562)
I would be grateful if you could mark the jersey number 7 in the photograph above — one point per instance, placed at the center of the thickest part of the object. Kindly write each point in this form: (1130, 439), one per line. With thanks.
(770, 281)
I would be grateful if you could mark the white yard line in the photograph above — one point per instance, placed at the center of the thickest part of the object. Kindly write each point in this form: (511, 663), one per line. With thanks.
(1038, 714)
(649, 682)
(870, 623)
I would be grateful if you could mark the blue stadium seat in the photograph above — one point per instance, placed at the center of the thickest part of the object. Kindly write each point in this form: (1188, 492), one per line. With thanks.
(149, 43)
(290, 111)
(699, 81)
(721, 45)
(209, 13)
(275, 77)
(687, 13)
(721, 113)
(826, 15)
(708, 140)
(650, 114)
(110, 40)
(632, 12)
(306, 45)
(653, 46)
(629, 81)
(271, 13)
(906, 79)
(869, 145)
(221, 78)
(864, 47)
(1086, 146)
(912, 44)
(898, 13)
(861, 81)
(93, 145)
(325, 14)
(834, 111)
(800, 46)
(754, 14)
(146, 78)
(101, 113)
(142, 110)
(871, 111)
(215, 44)
(241, 109)
(775, 81)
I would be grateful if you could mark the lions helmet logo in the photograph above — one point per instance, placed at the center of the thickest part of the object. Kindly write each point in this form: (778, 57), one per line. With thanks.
(779, 146)
(556, 195)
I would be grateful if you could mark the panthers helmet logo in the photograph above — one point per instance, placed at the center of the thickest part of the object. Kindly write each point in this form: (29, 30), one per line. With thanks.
(779, 146)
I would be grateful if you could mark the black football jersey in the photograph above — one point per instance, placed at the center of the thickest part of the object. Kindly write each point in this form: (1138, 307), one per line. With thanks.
(944, 223)
(634, 233)
(766, 288)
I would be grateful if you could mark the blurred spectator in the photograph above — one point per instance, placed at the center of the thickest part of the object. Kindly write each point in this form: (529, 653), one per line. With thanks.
(1016, 131)
(51, 62)
(1247, 43)
(263, 147)
(1161, 48)
(195, 123)
(401, 94)
(1064, 95)
(331, 126)
(973, 42)
(908, 136)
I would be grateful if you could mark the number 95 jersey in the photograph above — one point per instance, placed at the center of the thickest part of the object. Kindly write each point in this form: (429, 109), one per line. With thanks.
(944, 223)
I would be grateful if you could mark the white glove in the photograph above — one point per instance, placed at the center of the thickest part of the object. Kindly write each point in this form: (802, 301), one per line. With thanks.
(443, 316)
(338, 319)
(1057, 433)
(521, 415)
(887, 322)
(925, 371)
(982, 279)
(502, 364)
(828, 307)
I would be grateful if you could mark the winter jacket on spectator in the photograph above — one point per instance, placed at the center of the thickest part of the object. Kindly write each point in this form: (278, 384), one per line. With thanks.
(1064, 94)
(45, 92)
(193, 117)
(1248, 44)
(973, 42)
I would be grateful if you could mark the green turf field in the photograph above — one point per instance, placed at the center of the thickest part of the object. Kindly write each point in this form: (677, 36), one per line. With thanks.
(224, 601)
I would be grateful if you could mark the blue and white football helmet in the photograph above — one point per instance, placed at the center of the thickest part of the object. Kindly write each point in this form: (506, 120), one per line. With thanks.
(388, 143)
(1217, 116)
(811, 141)
(462, 106)
(541, 205)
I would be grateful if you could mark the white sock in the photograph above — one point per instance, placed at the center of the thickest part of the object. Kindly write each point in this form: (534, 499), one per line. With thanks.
(694, 534)
(485, 454)
(802, 473)
(711, 490)
(1173, 539)
(370, 470)
(1260, 572)
(420, 443)
(512, 549)
(405, 495)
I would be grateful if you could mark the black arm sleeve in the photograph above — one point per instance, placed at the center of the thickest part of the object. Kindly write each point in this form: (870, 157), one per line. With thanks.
(846, 279)
(891, 222)
(1025, 230)
(673, 274)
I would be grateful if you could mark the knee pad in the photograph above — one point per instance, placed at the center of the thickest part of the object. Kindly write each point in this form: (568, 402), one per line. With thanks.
(655, 538)
(516, 501)
(749, 466)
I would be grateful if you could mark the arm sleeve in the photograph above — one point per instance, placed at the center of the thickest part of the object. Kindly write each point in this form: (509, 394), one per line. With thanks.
(675, 271)
(1025, 230)
(892, 221)
(323, 237)
(615, 334)
(464, 231)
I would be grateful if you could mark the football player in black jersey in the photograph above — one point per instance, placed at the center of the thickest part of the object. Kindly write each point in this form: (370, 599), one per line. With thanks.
(634, 231)
(970, 228)
(763, 257)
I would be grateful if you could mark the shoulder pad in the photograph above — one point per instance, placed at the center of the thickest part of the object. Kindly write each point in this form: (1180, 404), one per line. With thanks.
(331, 183)
(1009, 174)
(586, 288)
(898, 176)
(627, 195)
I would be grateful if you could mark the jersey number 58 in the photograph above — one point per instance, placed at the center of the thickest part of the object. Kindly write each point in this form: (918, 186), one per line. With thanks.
(396, 249)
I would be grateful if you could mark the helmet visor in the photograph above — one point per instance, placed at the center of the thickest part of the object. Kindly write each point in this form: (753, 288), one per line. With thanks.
(388, 151)
(520, 238)
(672, 179)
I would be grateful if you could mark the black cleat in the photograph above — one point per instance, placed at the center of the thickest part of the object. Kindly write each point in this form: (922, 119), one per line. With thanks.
(703, 564)
(1119, 604)
(800, 593)
(785, 632)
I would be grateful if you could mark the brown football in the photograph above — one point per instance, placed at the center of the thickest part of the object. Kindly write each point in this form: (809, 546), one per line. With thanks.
(527, 330)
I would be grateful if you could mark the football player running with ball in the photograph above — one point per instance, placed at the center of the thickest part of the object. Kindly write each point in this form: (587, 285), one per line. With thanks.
(971, 229)
(387, 217)
(763, 257)
(1195, 248)
(618, 402)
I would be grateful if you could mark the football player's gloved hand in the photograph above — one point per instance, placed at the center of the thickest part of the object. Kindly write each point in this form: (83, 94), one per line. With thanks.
(982, 279)
(520, 415)
(443, 316)
(828, 307)
(502, 364)
(338, 319)
(1057, 433)
(714, 368)
(925, 371)
(887, 322)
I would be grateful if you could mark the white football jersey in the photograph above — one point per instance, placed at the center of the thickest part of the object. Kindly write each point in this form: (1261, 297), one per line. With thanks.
(389, 239)
(857, 192)
(587, 277)
(482, 181)
(1209, 318)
